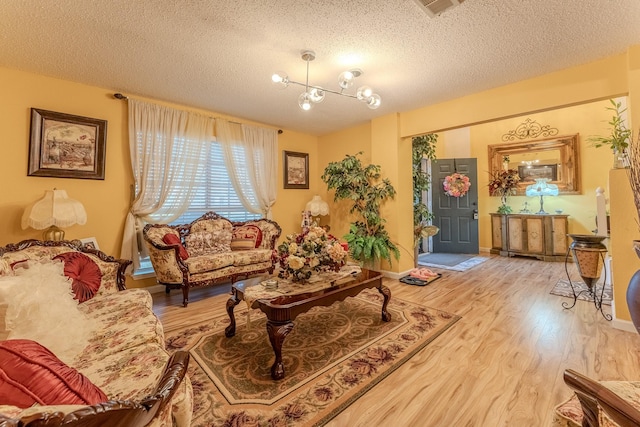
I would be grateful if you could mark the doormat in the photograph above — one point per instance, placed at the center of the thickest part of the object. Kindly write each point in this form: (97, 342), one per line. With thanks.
(455, 262)
(410, 280)
(332, 356)
(563, 289)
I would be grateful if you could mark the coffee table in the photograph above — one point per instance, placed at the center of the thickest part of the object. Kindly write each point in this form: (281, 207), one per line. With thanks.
(282, 309)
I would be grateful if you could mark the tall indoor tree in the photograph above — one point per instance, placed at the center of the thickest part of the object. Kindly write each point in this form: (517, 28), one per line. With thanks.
(423, 147)
(368, 239)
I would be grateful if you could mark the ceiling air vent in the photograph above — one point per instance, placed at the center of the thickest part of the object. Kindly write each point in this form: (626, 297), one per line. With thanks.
(436, 7)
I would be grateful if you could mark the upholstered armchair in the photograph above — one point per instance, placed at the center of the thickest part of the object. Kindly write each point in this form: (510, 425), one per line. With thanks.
(603, 403)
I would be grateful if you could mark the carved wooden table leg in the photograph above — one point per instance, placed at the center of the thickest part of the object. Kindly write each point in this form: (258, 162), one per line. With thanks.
(386, 293)
(277, 333)
(231, 303)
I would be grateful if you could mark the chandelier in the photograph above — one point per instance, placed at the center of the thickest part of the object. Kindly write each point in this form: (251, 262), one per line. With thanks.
(314, 94)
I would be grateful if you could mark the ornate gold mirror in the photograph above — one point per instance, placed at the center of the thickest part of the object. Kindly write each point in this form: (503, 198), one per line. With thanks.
(555, 158)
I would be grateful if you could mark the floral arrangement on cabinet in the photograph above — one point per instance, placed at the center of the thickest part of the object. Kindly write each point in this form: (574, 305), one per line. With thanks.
(504, 184)
(311, 251)
(456, 185)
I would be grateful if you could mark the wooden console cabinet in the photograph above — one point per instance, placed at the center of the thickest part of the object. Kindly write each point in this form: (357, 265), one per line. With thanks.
(540, 236)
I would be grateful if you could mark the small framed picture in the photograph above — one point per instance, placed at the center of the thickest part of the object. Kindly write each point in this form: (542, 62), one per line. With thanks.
(296, 170)
(90, 242)
(66, 146)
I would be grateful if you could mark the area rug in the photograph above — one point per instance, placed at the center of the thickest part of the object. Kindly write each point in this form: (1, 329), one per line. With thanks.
(455, 262)
(563, 289)
(332, 356)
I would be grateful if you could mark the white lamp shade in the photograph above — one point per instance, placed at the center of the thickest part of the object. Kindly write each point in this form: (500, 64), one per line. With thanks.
(317, 206)
(542, 188)
(55, 208)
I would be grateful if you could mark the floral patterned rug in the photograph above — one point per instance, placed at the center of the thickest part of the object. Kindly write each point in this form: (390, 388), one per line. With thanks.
(563, 288)
(332, 356)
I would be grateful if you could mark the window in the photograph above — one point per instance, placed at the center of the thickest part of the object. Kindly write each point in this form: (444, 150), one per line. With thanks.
(213, 192)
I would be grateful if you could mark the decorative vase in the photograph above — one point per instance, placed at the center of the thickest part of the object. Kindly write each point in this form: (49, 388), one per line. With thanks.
(620, 159)
(504, 208)
(588, 253)
(633, 292)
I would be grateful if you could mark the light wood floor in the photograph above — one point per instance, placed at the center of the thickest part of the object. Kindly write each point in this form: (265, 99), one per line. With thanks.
(500, 365)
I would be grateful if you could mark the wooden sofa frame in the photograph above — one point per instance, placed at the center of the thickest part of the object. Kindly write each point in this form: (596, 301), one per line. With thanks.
(115, 413)
(591, 394)
(184, 230)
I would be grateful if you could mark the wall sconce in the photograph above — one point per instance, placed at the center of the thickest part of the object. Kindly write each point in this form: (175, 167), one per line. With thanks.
(542, 188)
(54, 210)
(315, 94)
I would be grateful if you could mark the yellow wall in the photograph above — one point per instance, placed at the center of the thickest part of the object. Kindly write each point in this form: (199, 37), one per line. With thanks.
(585, 120)
(106, 201)
(498, 110)
(332, 148)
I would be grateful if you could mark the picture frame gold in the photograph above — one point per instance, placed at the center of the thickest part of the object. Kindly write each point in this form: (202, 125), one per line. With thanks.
(296, 170)
(66, 146)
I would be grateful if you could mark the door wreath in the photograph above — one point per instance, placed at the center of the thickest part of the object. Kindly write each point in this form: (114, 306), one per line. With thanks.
(456, 185)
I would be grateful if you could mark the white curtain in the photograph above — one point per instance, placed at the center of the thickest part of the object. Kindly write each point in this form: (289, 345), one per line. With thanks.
(262, 159)
(166, 146)
(250, 155)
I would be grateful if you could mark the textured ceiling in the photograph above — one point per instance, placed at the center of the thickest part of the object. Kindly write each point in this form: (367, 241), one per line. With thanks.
(219, 55)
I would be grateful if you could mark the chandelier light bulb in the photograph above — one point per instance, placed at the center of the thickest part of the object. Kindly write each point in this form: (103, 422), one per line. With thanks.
(345, 79)
(364, 93)
(304, 101)
(374, 101)
(280, 79)
(316, 95)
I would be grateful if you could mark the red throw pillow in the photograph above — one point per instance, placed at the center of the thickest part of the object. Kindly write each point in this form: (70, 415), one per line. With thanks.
(29, 373)
(172, 239)
(84, 272)
(246, 237)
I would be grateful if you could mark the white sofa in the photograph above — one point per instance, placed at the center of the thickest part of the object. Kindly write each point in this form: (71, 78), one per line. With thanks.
(124, 352)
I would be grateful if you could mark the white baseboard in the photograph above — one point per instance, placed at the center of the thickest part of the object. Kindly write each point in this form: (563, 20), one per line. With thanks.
(623, 325)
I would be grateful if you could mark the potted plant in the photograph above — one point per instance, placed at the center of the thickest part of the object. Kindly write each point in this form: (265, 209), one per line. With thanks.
(423, 146)
(368, 240)
(619, 138)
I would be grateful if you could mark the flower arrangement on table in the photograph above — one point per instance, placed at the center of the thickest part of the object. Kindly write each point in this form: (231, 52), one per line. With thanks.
(503, 184)
(312, 251)
(456, 185)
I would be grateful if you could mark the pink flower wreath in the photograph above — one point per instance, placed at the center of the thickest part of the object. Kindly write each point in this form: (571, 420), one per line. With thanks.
(456, 185)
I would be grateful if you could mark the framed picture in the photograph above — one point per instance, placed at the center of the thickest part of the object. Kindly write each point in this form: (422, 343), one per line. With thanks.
(532, 172)
(296, 170)
(66, 146)
(90, 242)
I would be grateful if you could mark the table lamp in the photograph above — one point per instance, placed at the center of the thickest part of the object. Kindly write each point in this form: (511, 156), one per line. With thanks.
(317, 207)
(542, 188)
(54, 210)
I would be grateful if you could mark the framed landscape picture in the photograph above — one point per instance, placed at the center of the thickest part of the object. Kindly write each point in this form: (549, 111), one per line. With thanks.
(533, 172)
(66, 146)
(296, 170)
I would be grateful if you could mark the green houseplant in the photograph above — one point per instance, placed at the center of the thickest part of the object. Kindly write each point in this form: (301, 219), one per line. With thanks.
(367, 238)
(619, 138)
(423, 147)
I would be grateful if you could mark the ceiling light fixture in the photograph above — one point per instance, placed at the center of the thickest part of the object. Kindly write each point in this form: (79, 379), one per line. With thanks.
(315, 94)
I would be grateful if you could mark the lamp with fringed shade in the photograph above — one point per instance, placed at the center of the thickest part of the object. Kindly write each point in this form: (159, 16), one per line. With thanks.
(53, 211)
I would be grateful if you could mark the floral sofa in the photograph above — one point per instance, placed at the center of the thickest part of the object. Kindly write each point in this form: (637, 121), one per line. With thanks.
(598, 403)
(77, 348)
(211, 249)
